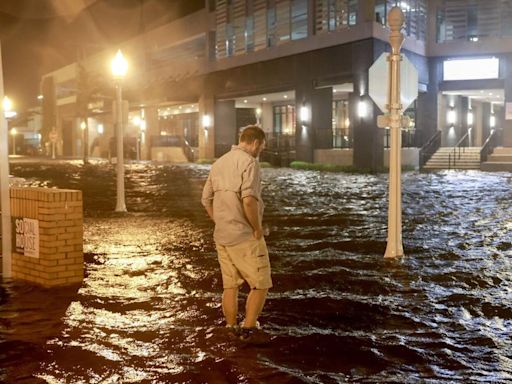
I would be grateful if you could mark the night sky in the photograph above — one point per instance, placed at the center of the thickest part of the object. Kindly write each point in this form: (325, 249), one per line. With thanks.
(39, 36)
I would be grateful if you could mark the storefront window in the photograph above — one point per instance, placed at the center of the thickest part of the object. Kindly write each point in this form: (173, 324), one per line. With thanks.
(284, 119)
(176, 126)
(341, 135)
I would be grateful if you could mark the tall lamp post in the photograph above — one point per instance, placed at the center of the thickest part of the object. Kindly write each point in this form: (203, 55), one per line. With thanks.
(13, 133)
(9, 113)
(119, 69)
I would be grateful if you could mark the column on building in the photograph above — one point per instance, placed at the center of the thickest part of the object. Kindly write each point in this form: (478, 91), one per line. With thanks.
(486, 121)
(77, 143)
(152, 129)
(464, 128)
(427, 103)
(507, 123)
(103, 136)
(208, 123)
(450, 119)
(313, 111)
(368, 138)
(477, 131)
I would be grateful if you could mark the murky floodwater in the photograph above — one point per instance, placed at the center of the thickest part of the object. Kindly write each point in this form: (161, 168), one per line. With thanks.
(339, 311)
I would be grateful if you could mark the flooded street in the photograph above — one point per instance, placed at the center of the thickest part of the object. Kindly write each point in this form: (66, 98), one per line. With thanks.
(150, 301)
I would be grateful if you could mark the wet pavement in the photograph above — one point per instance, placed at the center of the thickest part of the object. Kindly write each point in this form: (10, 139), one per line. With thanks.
(149, 305)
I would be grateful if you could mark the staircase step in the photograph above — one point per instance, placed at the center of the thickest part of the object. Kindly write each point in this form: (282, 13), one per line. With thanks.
(446, 158)
(495, 166)
(500, 158)
(502, 151)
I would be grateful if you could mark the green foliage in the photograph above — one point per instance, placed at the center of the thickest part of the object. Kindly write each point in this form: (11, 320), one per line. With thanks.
(265, 164)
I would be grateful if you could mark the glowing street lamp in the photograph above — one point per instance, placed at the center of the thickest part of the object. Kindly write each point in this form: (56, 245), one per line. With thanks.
(7, 107)
(119, 69)
(7, 104)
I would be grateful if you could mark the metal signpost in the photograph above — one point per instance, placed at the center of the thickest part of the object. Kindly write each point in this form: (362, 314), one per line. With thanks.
(400, 93)
(4, 187)
(119, 68)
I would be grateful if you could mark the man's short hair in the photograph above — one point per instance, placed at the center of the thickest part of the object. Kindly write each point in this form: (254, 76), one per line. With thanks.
(251, 133)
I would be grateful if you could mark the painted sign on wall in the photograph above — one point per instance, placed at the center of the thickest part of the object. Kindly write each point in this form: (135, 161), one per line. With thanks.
(26, 236)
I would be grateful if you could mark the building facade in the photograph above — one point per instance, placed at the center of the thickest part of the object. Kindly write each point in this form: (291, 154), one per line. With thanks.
(298, 68)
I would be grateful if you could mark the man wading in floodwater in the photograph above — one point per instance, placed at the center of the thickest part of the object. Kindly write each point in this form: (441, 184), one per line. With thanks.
(232, 198)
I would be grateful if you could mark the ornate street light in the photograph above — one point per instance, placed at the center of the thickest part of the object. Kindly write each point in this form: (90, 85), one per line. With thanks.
(119, 69)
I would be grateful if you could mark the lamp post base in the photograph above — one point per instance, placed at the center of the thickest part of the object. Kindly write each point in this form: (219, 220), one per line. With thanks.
(121, 207)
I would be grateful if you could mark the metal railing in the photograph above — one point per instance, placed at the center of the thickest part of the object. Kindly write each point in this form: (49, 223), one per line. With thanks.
(458, 149)
(429, 148)
(488, 146)
(188, 151)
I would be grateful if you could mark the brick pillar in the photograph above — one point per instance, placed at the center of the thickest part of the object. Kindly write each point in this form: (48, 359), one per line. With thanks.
(57, 215)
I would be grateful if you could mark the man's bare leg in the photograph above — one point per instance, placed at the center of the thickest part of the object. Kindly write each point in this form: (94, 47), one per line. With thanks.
(254, 306)
(230, 305)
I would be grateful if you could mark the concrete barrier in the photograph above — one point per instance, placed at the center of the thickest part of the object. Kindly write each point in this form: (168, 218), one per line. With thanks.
(47, 231)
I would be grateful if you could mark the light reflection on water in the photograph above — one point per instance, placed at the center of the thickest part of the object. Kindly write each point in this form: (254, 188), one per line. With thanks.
(340, 312)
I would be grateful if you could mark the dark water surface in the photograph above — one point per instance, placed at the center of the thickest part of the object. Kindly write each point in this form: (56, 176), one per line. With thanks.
(340, 312)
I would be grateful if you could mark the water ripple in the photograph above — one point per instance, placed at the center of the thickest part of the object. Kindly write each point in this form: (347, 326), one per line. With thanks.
(149, 307)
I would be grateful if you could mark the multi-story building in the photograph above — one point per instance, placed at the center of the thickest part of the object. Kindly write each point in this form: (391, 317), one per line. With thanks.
(299, 68)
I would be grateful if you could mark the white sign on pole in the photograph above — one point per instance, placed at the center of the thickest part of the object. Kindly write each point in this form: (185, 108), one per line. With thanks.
(379, 77)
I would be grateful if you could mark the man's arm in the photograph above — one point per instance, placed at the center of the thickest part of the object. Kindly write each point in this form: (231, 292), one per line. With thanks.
(250, 204)
(207, 198)
(209, 210)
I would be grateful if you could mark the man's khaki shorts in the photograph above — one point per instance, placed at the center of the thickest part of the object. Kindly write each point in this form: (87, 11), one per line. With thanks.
(247, 261)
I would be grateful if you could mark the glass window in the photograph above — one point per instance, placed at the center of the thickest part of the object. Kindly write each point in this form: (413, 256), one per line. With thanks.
(352, 11)
(332, 15)
(341, 136)
(249, 34)
(284, 119)
(271, 27)
(230, 40)
(299, 20)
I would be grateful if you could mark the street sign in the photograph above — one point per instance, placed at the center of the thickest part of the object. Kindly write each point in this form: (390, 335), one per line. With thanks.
(379, 79)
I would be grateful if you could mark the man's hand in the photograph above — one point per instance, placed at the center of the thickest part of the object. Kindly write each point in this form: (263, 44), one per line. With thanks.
(209, 210)
(250, 205)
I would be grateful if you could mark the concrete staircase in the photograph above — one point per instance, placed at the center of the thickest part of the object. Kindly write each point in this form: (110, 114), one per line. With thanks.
(499, 160)
(469, 159)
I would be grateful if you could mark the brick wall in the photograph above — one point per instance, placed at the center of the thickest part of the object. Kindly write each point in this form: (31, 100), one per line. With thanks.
(60, 216)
